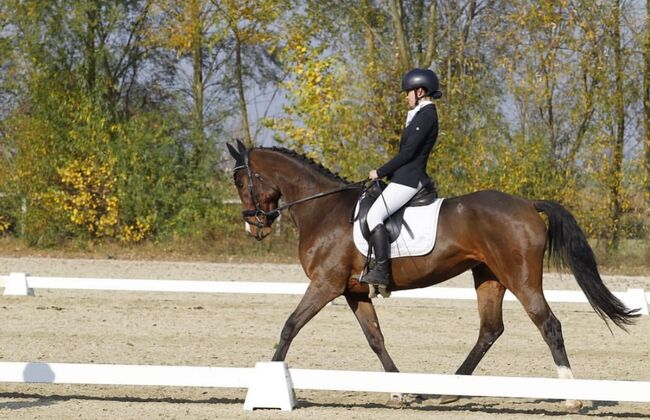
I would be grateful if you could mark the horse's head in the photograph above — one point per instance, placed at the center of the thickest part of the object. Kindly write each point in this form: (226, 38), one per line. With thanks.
(259, 198)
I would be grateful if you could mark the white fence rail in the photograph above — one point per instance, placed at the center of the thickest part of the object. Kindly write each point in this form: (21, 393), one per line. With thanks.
(22, 284)
(271, 384)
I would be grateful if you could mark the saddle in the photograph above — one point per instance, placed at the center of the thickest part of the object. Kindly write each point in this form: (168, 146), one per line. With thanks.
(425, 196)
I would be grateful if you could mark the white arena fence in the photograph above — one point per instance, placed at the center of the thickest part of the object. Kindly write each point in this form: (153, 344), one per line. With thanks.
(22, 284)
(272, 384)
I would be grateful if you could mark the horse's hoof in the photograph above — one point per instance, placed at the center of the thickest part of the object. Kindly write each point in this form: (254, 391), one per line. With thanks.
(446, 399)
(395, 401)
(573, 406)
(420, 398)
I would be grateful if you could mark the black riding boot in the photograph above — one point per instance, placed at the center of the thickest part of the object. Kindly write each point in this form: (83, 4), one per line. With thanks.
(379, 274)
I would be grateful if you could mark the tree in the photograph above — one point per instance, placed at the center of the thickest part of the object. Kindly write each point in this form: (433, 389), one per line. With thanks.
(94, 139)
(646, 104)
(250, 24)
(616, 175)
(193, 33)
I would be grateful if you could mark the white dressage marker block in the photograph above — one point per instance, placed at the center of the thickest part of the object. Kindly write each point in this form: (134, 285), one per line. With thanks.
(271, 387)
(16, 285)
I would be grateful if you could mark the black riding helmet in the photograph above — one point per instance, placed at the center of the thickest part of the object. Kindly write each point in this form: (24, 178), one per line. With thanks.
(422, 78)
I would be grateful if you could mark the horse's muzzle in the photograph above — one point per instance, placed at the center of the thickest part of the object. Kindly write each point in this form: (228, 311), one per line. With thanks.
(257, 232)
(263, 233)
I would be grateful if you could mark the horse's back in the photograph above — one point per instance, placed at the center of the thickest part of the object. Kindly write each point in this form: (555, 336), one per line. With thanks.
(492, 198)
(491, 203)
(492, 214)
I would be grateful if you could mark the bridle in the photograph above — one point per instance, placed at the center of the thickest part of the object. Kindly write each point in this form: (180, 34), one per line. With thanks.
(258, 212)
(270, 216)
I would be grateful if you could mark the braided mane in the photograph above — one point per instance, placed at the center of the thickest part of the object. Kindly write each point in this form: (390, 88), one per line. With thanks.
(303, 158)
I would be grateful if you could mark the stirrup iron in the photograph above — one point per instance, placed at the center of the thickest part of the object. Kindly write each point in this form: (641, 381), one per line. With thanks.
(374, 289)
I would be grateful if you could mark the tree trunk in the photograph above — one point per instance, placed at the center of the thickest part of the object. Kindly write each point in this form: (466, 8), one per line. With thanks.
(616, 176)
(91, 52)
(646, 107)
(432, 28)
(248, 141)
(417, 31)
(198, 86)
(369, 34)
(402, 43)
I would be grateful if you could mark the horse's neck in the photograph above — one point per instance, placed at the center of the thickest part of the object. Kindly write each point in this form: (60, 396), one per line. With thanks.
(310, 216)
(297, 180)
(306, 185)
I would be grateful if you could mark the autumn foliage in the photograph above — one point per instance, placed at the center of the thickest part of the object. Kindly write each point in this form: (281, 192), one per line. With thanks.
(115, 114)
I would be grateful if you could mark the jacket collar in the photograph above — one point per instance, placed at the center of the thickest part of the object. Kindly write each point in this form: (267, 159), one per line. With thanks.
(415, 110)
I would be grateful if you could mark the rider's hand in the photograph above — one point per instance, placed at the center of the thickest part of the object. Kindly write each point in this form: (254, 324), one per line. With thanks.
(373, 175)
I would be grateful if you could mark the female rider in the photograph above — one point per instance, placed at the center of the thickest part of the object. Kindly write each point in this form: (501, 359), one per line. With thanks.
(406, 171)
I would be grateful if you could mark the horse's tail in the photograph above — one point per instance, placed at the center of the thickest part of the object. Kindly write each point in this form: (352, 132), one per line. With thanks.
(568, 247)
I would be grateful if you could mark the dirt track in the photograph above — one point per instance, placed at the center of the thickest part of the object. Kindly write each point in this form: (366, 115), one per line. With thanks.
(427, 336)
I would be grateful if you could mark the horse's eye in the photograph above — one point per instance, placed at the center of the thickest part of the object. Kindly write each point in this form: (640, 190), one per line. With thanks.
(239, 184)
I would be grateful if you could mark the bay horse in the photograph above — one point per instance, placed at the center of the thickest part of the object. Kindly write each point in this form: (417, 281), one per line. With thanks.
(500, 237)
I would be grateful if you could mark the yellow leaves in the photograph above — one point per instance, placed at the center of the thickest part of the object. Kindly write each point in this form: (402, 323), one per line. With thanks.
(179, 39)
(136, 231)
(88, 196)
(186, 26)
(5, 224)
(250, 20)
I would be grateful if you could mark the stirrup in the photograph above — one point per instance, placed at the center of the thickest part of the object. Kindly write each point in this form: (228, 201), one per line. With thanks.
(374, 289)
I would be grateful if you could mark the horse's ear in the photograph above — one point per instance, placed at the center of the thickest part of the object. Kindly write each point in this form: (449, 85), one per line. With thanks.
(234, 153)
(243, 151)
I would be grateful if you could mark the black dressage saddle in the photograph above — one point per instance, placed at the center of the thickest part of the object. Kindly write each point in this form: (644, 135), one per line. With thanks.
(425, 196)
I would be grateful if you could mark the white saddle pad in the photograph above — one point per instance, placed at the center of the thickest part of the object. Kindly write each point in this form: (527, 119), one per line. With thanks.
(423, 222)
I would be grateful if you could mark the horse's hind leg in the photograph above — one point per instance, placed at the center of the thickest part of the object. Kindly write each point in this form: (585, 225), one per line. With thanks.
(315, 298)
(549, 326)
(365, 312)
(489, 296)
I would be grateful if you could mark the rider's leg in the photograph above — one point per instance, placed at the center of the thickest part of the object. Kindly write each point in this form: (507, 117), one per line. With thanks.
(391, 200)
(379, 273)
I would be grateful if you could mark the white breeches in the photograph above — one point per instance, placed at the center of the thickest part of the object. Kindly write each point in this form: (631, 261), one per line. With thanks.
(390, 200)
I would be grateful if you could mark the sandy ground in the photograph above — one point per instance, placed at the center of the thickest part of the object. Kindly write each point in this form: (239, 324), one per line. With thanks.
(426, 336)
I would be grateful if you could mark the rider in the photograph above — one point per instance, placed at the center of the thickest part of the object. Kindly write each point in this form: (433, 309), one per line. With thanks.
(406, 170)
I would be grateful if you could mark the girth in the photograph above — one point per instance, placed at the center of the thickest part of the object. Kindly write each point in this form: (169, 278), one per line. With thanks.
(425, 196)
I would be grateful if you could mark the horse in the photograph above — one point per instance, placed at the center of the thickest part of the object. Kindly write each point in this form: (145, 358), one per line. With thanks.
(500, 237)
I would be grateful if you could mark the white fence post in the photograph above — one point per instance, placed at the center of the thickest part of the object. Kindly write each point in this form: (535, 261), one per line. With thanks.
(637, 299)
(16, 285)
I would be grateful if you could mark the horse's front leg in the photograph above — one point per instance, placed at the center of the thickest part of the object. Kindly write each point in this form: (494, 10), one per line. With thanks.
(365, 312)
(315, 298)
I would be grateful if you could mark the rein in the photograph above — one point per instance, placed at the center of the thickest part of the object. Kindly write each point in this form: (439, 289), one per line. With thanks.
(273, 214)
(319, 195)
